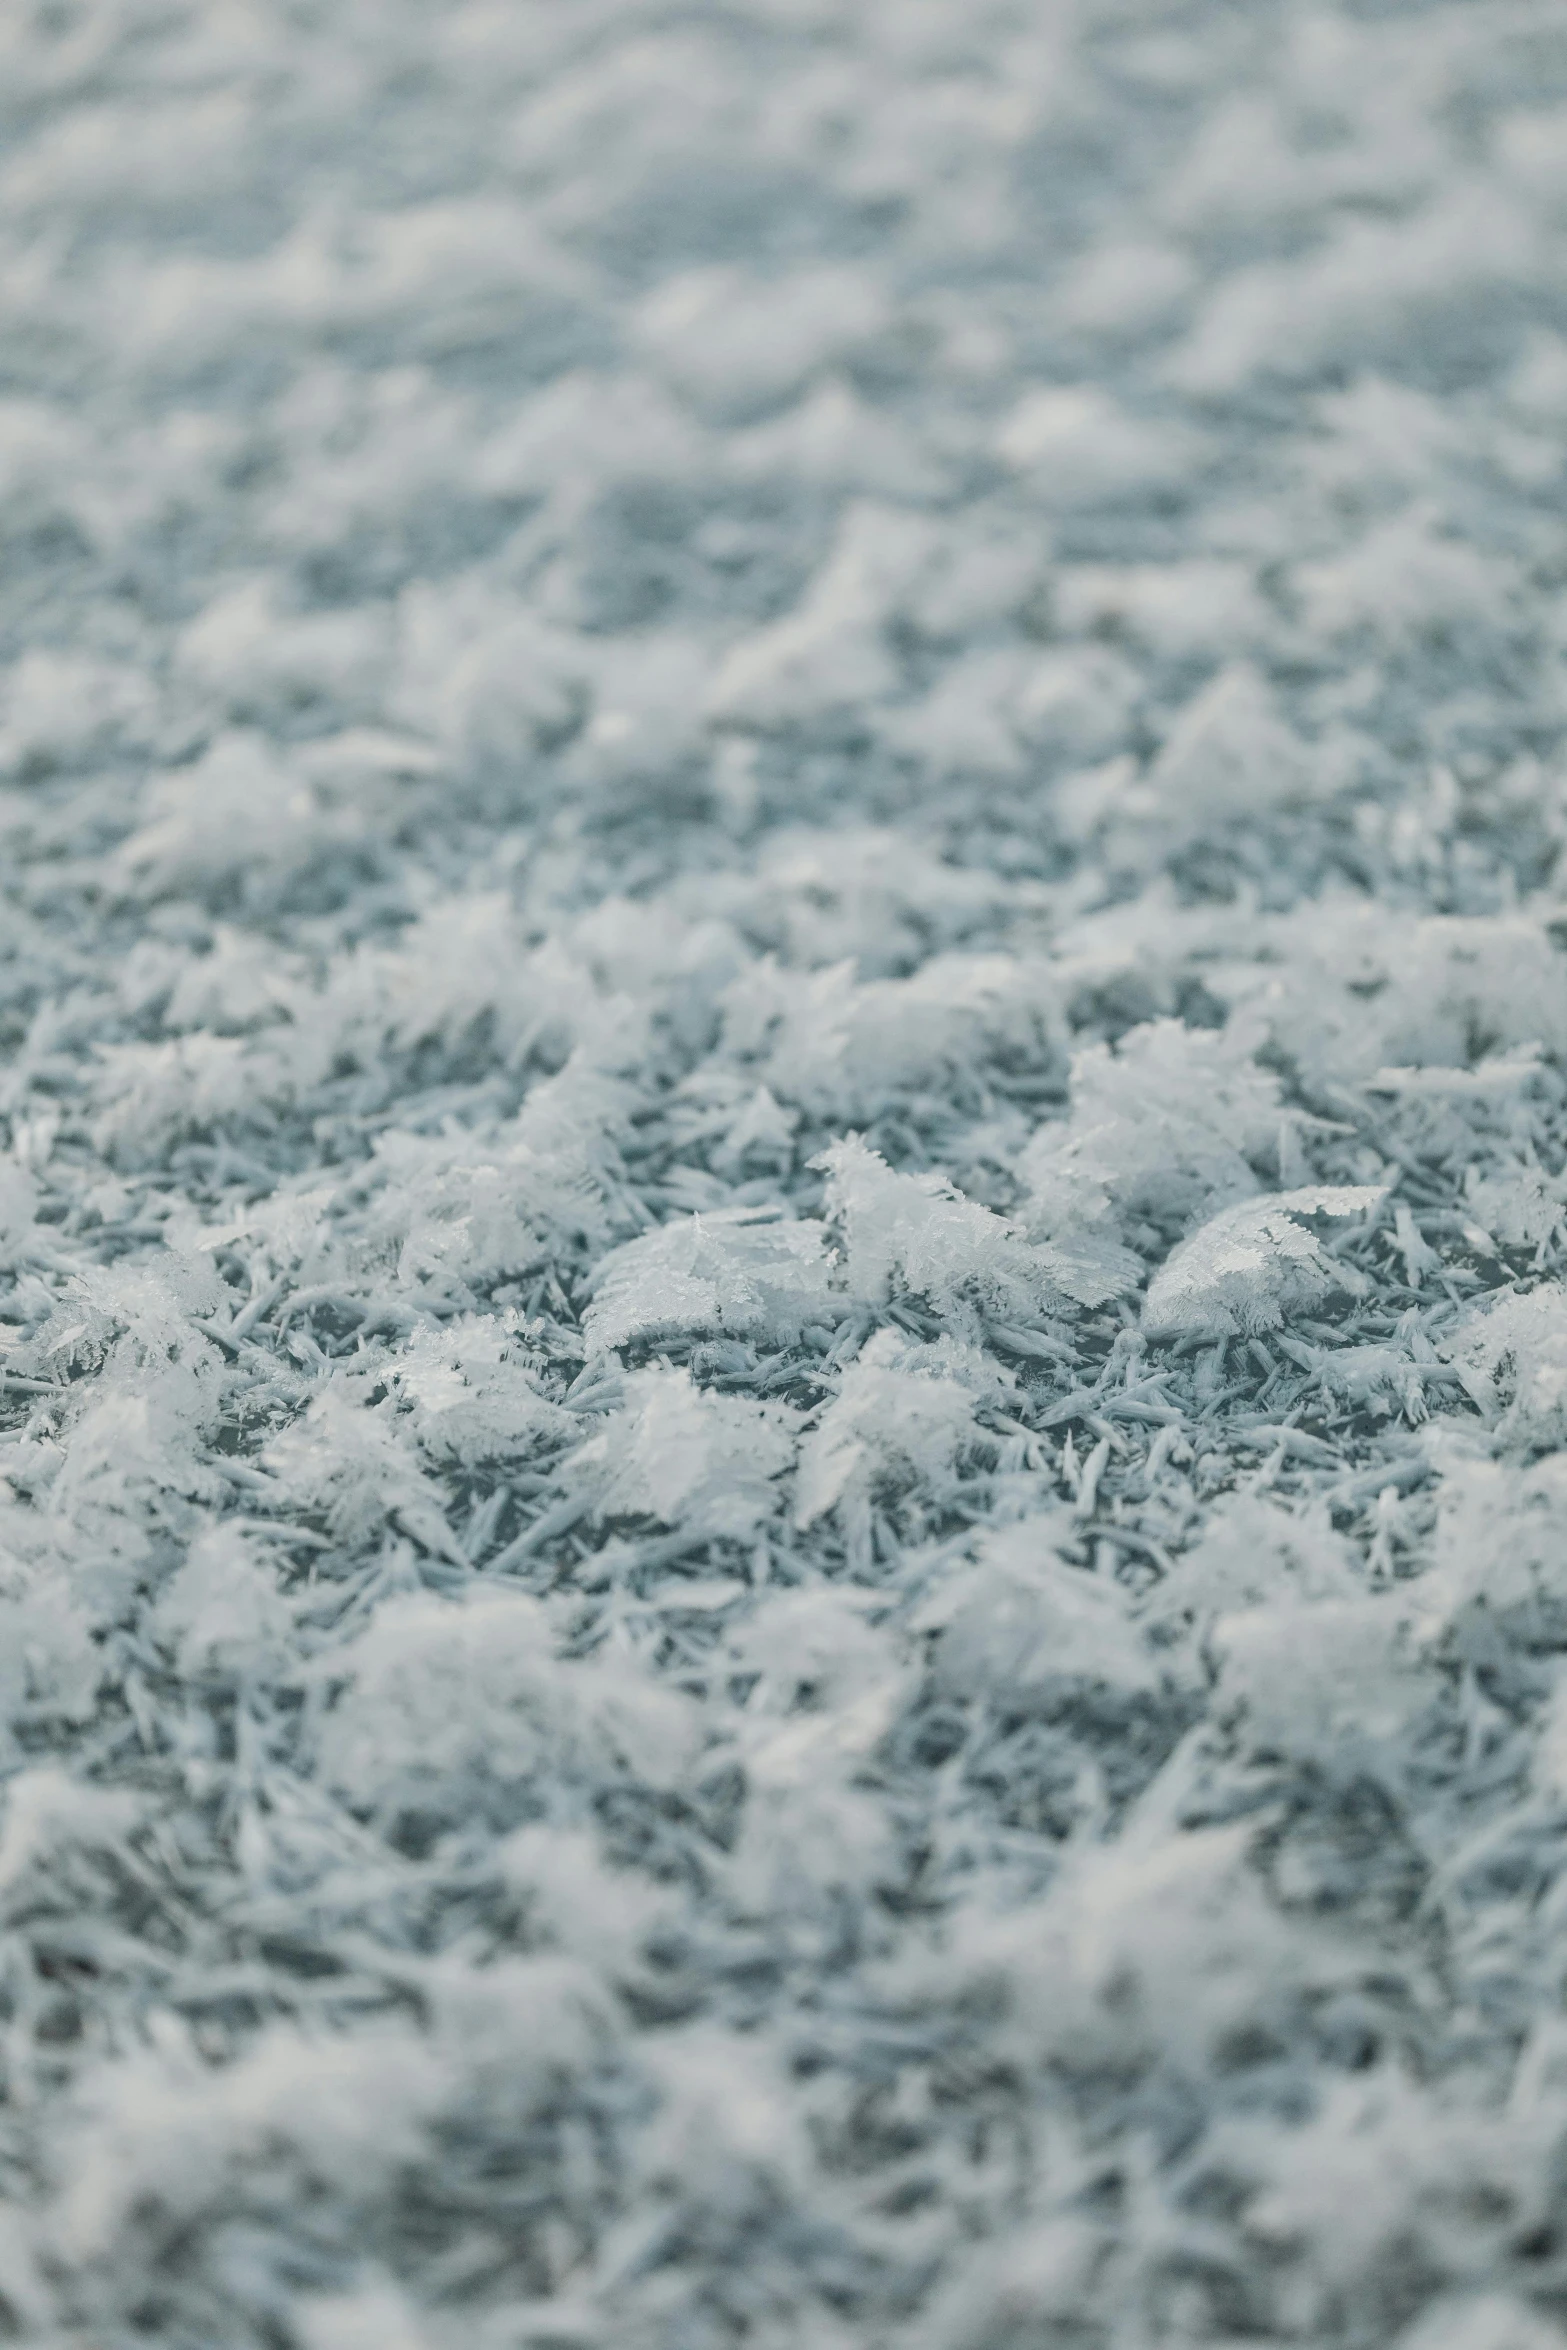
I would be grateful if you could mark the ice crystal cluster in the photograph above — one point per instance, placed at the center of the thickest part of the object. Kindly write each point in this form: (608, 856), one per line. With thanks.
(783, 1214)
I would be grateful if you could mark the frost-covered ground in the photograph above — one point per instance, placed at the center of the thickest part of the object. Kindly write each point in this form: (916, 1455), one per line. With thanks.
(783, 1551)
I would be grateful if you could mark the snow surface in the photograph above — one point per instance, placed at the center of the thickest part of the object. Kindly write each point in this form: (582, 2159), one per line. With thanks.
(783, 1229)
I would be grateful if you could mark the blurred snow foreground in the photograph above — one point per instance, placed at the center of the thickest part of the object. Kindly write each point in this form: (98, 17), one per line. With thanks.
(783, 1293)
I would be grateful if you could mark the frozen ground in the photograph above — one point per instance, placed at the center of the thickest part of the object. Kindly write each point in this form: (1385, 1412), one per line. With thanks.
(783, 1553)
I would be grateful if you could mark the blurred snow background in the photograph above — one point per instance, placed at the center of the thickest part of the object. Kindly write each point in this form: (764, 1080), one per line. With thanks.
(783, 1534)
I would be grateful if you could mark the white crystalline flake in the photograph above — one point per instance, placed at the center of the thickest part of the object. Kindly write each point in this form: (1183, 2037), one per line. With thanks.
(1254, 1265)
(708, 1463)
(726, 1272)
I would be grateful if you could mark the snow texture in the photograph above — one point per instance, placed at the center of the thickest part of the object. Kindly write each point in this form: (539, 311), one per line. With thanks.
(783, 1174)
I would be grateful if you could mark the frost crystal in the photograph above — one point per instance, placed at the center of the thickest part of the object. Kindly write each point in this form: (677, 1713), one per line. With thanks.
(704, 1462)
(728, 1272)
(783, 1175)
(1257, 1265)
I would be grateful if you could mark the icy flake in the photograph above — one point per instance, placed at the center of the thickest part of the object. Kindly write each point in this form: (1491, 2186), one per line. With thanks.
(733, 1271)
(1254, 1265)
(706, 1463)
(918, 1236)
